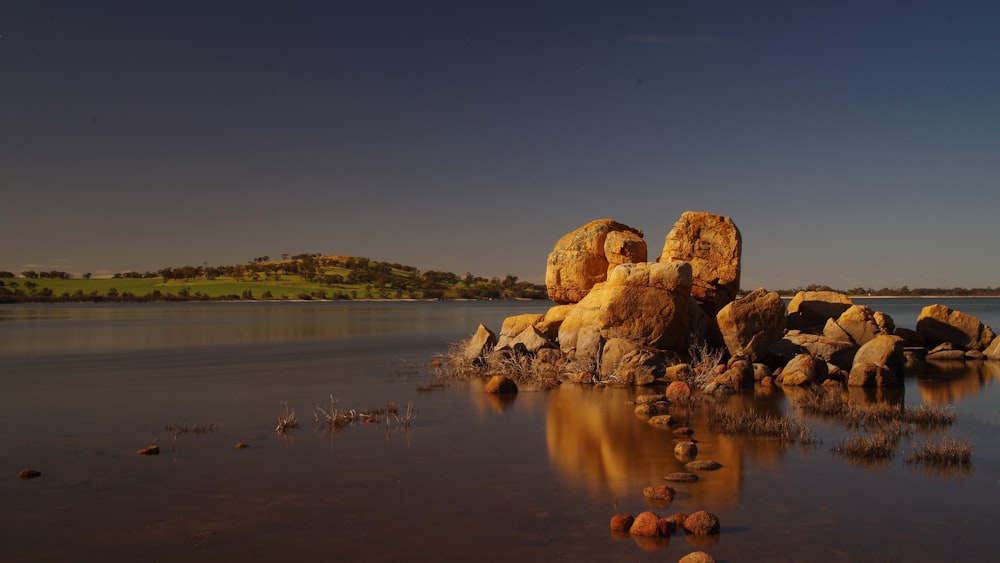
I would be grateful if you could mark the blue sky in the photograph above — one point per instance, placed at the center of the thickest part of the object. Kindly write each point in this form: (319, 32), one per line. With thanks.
(853, 143)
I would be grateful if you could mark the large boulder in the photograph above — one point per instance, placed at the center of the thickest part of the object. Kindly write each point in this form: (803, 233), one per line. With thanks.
(752, 324)
(713, 246)
(630, 363)
(624, 247)
(481, 343)
(646, 303)
(804, 369)
(939, 324)
(883, 350)
(838, 352)
(549, 325)
(579, 259)
(515, 325)
(809, 310)
(857, 325)
(992, 351)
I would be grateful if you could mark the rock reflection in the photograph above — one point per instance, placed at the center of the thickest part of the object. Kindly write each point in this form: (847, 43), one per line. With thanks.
(948, 382)
(594, 439)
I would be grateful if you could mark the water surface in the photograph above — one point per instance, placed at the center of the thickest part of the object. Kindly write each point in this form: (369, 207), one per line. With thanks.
(474, 478)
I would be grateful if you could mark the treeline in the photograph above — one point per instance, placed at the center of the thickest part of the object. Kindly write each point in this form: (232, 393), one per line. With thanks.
(324, 277)
(904, 291)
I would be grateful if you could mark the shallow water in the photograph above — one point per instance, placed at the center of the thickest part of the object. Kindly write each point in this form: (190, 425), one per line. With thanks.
(474, 478)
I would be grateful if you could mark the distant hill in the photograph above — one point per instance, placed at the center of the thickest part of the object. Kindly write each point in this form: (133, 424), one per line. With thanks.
(302, 276)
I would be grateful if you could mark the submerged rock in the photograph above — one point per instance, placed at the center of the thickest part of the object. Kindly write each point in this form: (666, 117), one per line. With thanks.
(649, 524)
(702, 523)
(621, 522)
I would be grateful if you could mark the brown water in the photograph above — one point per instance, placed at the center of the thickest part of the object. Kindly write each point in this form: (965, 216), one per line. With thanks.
(474, 478)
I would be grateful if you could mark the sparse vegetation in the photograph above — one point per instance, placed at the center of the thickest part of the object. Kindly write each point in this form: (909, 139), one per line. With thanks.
(880, 444)
(947, 452)
(286, 420)
(337, 418)
(704, 361)
(755, 423)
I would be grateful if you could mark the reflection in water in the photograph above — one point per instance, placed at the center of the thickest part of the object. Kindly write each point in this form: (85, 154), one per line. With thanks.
(594, 438)
(946, 383)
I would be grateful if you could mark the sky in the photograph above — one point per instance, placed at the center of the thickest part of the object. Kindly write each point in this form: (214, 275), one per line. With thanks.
(854, 144)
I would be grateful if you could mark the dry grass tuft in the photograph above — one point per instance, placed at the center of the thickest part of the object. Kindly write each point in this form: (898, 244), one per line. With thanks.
(949, 452)
(755, 423)
(336, 418)
(880, 444)
(286, 420)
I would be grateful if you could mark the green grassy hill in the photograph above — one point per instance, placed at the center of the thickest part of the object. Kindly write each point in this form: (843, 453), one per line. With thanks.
(306, 276)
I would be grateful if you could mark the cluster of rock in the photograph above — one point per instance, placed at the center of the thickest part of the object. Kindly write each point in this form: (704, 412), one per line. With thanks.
(629, 321)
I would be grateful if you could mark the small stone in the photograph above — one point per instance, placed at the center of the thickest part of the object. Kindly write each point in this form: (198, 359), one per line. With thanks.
(621, 522)
(704, 465)
(677, 519)
(702, 523)
(649, 524)
(646, 410)
(28, 474)
(686, 449)
(660, 420)
(241, 446)
(659, 492)
(683, 431)
(697, 557)
(682, 477)
(149, 450)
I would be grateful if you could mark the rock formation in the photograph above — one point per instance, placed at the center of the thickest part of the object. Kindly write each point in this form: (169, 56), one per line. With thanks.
(580, 259)
(713, 246)
(620, 319)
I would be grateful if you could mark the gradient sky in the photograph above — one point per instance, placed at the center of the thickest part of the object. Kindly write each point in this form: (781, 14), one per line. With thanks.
(855, 144)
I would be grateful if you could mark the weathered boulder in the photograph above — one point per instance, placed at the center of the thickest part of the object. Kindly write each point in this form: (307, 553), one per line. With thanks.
(646, 303)
(624, 247)
(752, 324)
(738, 374)
(531, 340)
(992, 351)
(579, 260)
(515, 325)
(857, 325)
(804, 369)
(713, 246)
(873, 375)
(630, 363)
(809, 310)
(938, 323)
(481, 343)
(837, 352)
(883, 350)
(678, 372)
(549, 325)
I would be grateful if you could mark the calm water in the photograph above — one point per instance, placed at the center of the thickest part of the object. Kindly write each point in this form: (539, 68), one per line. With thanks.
(474, 479)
